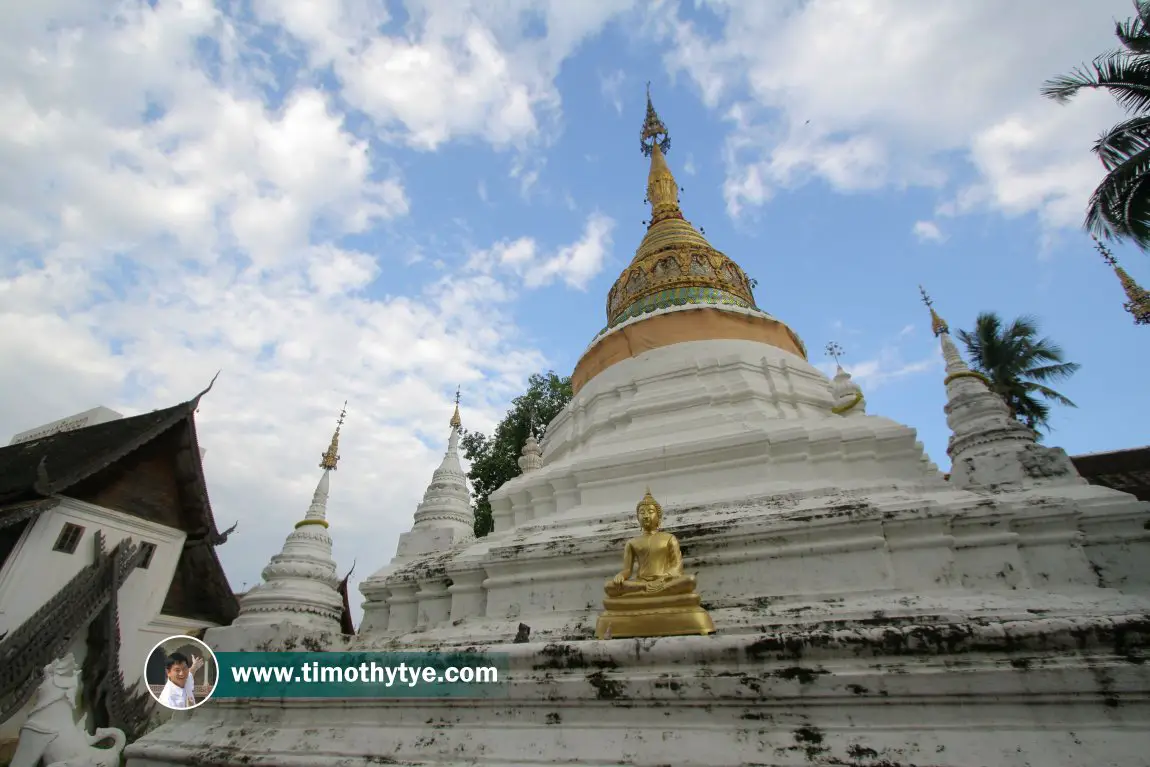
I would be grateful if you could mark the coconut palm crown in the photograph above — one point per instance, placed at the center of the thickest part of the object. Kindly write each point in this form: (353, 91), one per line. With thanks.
(1119, 209)
(1019, 365)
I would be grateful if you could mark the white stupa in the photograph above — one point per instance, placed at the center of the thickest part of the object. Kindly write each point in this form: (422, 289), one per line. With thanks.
(866, 610)
(443, 520)
(300, 585)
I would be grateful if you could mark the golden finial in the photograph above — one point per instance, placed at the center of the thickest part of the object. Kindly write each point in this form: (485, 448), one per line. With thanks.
(456, 421)
(1138, 303)
(662, 188)
(937, 324)
(331, 457)
(653, 129)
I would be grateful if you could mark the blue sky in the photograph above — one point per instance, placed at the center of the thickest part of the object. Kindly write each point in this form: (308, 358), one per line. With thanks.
(379, 202)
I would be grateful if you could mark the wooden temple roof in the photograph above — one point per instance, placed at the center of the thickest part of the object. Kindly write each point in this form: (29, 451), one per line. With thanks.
(1126, 470)
(105, 464)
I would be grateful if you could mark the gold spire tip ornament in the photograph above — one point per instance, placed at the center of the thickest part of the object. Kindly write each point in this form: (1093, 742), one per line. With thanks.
(654, 132)
(1138, 298)
(330, 458)
(456, 421)
(937, 324)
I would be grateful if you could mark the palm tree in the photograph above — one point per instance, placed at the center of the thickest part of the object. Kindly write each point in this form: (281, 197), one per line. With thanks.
(1119, 209)
(1019, 365)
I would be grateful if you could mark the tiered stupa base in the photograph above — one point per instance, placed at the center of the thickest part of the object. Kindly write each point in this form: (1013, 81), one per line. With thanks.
(1035, 691)
(946, 629)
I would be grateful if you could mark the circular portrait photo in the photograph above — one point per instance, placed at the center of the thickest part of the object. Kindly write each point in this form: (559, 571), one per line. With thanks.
(181, 672)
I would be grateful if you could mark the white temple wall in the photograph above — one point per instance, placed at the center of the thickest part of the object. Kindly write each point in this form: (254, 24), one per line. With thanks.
(35, 572)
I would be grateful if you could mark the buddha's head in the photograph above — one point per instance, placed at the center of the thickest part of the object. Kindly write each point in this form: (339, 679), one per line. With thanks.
(649, 512)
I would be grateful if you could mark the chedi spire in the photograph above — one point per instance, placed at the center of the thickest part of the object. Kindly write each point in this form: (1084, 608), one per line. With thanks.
(988, 447)
(300, 583)
(1137, 297)
(674, 265)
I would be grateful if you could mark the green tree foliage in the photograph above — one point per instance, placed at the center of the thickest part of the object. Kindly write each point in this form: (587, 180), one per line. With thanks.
(1120, 207)
(1019, 365)
(495, 459)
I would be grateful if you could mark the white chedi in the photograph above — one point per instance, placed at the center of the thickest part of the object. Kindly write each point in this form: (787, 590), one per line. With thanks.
(848, 396)
(532, 456)
(300, 585)
(443, 520)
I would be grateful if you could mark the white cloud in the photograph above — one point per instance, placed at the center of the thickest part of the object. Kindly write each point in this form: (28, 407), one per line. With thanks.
(927, 231)
(870, 93)
(611, 86)
(161, 219)
(578, 263)
(459, 69)
(575, 264)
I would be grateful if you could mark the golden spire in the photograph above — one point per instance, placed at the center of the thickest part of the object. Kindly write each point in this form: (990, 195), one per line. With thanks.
(662, 189)
(674, 264)
(331, 457)
(937, 324)
(1138, 303)
(456, 421)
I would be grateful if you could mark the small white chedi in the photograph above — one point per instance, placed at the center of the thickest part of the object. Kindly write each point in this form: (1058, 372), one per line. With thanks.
(299, 595)
(866, 609)
(444, 520)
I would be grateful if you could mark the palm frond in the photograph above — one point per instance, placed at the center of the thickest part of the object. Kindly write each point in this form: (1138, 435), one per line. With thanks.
(1125, 76)
(1123, 141)
(1134, 33)
(1050, 394)
(1119, 208)
(1056, 372)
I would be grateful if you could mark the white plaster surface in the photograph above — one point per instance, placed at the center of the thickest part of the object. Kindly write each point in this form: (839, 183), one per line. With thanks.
(867, 610)
(34, 573)
(300, 585)
(443, 521)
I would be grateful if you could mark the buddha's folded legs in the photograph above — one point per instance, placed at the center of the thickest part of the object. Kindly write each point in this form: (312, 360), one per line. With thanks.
(682, 584)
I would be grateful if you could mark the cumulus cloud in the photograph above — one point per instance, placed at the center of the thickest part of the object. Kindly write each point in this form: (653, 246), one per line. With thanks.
(575, 264)
(173, 205)
(927, 231)
(864, 94)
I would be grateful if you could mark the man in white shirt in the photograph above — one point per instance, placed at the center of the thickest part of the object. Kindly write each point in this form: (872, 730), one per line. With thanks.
(180, 689)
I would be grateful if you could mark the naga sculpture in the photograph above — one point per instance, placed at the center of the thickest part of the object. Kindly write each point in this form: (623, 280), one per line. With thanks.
(652, 596)
(51, 736)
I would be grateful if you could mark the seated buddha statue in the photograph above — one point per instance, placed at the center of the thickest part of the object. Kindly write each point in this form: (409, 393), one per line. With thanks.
(652, 596)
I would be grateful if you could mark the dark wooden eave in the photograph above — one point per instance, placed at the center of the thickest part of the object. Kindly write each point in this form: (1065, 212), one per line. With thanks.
(1125, 470)
(346, 622)
(33, 473)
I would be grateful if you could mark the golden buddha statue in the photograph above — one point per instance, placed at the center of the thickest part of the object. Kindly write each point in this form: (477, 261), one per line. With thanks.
(652, 596)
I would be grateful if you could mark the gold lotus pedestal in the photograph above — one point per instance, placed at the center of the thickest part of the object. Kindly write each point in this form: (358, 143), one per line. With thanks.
(660, 600)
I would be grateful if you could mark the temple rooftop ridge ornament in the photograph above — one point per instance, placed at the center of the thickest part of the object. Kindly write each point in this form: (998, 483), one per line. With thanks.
(1137, 297)
(652, 596)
